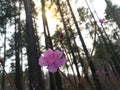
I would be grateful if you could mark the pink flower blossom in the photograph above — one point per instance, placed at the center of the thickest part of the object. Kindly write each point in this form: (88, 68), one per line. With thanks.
(97, 72)
(102, 21)
(52, 59)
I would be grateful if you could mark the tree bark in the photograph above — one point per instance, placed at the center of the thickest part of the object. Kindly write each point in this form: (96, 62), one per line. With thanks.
(34, 82)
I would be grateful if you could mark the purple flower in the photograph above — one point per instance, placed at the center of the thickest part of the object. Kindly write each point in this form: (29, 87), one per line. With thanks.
(102, 21)
(97, 72)
(52, 59)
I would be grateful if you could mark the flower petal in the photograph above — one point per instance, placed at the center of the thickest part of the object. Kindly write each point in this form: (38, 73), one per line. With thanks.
(48, 52)
(60, 62)
(52, 68)
(43, 61)
(58, 53)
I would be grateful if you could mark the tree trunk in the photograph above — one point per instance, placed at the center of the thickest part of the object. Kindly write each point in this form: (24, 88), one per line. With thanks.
(97, 83)
(34, 82)
(18, 67)
(3, 64)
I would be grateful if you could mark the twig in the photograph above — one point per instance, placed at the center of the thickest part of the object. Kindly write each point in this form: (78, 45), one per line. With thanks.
(67, 78)
(9, 79)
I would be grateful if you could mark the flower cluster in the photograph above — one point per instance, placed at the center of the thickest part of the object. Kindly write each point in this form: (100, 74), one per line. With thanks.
(52, 59)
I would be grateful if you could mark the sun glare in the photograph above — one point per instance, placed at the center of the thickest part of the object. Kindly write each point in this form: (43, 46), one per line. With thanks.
(51, 11)
(52, 20)
(49, 14)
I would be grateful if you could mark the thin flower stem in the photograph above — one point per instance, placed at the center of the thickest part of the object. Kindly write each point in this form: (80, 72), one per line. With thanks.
(67, 78)
(94, 42)
(70, 65)
(9, 79)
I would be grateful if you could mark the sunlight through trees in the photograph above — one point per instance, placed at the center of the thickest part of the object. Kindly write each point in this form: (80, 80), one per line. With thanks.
(59, 45)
